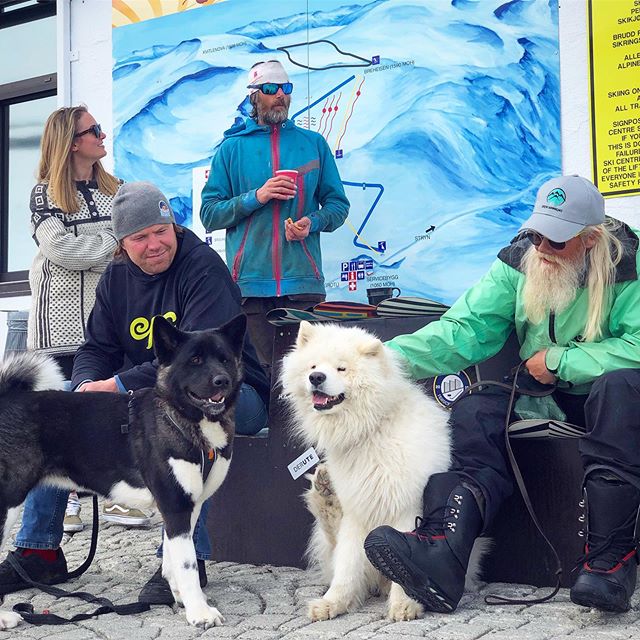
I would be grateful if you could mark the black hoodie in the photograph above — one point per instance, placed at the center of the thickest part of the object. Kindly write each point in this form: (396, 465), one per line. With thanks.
(196, 292)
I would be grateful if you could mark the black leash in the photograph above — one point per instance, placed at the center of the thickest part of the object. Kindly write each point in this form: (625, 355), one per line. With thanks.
(494, 599)
(26, 610)
(92, 546)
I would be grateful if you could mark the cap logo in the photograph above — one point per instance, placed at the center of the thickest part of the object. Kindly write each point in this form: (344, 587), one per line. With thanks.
(556, 197)
(165, 212)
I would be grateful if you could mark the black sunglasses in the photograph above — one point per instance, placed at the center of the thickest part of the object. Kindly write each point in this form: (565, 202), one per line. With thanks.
(96, 129)
(536, 240)
(271, 88)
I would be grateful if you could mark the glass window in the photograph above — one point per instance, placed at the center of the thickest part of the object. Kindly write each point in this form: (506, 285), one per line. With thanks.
(26, 121)
(31, 47)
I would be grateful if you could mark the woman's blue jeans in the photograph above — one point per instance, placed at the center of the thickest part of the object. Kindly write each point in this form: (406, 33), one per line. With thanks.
(44, 508)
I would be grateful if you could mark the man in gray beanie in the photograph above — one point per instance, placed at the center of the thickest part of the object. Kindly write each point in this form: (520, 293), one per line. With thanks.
(159, 269)
(141, 213)
(139, 205)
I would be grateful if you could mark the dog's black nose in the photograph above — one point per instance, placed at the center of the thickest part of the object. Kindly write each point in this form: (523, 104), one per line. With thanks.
(317, 378)
(221, 380)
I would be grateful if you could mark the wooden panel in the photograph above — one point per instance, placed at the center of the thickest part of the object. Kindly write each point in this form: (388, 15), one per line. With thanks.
(552, 471)
(258, 515)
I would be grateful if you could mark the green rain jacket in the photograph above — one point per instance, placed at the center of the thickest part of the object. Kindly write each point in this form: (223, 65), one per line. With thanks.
(478, 324)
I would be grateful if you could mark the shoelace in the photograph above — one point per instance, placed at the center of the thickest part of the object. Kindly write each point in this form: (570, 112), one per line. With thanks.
(610, 550)
(430, 527)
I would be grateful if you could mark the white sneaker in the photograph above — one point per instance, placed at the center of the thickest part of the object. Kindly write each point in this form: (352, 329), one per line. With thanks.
(126, 516)
(72, 522)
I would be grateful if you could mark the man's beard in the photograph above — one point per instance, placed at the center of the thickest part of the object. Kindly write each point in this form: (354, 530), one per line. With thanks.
(550, 287)
(274, 116)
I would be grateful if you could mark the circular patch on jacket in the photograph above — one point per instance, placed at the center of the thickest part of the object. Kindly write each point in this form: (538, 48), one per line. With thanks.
(448, 388)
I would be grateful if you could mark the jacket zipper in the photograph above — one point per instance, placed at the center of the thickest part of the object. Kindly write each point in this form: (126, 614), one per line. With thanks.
(275, 219)
(235, 271)
(301, 201)
(552, 327)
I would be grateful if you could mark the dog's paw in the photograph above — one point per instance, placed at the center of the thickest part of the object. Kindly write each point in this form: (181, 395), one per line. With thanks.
(9, 620)
(205, 617)
(323, 609)
(403, 610)
(322, 481)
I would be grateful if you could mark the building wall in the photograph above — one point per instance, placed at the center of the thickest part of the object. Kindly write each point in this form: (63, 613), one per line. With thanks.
(87, 66)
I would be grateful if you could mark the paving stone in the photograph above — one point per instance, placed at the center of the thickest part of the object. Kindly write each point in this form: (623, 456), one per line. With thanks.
(270, 603)
(407, 629)
(265, 621)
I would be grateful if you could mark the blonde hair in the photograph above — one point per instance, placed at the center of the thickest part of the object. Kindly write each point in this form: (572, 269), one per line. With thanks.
(603, 259)
(55, 166)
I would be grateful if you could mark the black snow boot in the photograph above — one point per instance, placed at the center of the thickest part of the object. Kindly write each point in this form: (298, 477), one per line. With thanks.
(607, 576)
(430, 562)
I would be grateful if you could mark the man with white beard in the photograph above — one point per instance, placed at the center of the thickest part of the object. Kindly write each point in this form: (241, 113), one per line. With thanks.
(568, 285)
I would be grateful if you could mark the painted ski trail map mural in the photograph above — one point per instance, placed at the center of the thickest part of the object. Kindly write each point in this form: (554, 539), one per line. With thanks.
(443, 117)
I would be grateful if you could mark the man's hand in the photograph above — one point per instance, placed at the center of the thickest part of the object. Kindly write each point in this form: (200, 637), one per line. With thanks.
(537, 367)
(278, 188)
(297, 230)
(99, 385)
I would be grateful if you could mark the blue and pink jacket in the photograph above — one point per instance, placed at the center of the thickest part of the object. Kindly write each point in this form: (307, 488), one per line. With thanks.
(261, 260)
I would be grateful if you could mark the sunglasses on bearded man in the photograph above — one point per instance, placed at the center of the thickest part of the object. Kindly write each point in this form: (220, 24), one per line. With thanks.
(96, 129)
(536, 239)
(271, 88)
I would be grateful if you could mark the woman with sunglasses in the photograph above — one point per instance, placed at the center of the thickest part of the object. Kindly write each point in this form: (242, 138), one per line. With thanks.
(71, 226)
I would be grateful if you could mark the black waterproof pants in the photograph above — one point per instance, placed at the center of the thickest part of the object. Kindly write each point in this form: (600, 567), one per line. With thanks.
(610, 414)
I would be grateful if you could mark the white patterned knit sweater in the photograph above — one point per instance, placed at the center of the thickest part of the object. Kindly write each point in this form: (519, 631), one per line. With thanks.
(73, 251)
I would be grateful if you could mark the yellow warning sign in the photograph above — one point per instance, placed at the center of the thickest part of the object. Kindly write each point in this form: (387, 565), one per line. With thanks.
(614, 47)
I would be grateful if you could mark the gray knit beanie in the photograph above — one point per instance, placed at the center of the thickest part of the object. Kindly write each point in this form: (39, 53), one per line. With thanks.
(139, 205)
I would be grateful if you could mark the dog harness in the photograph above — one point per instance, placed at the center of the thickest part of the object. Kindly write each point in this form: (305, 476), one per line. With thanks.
(208, 457)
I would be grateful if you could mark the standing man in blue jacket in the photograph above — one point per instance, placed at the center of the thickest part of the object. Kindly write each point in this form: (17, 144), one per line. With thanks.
(273, 222)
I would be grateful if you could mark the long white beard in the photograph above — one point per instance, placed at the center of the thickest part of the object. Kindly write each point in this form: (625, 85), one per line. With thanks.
(549, 287)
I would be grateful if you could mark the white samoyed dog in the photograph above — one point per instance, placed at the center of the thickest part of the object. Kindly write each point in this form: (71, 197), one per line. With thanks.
(380, 438)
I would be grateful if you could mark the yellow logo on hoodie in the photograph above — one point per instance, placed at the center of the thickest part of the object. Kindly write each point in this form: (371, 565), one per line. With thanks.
(141, 328)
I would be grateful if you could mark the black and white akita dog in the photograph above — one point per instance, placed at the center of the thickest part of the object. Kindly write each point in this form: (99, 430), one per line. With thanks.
(170, 445)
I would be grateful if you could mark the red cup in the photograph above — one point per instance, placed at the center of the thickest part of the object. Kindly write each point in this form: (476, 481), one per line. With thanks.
(290, 173)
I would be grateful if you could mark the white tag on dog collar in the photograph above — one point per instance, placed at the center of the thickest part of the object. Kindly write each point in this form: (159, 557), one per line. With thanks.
(306, 461)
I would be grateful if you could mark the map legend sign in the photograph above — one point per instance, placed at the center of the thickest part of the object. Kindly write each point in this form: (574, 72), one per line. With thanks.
(614, 48)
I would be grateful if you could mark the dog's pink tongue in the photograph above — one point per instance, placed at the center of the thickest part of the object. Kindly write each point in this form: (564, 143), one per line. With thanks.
(320, 398)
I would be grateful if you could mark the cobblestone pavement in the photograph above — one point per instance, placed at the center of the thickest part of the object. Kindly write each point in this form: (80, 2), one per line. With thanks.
(265, 603)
